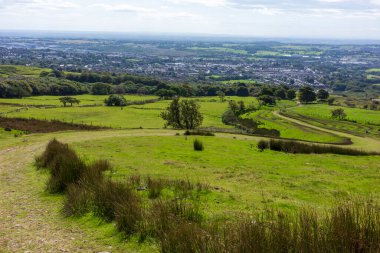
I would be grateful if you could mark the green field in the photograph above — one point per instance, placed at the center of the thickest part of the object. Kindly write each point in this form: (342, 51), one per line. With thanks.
(245, 177)
(359, 122)
(148, 115)
(135, 116)
(324, 111)
(219, 50)
(373, 70)
(14, 70)
(291, 130)
(373, 77)
(242, 180)
(239, 81)
(54, 100)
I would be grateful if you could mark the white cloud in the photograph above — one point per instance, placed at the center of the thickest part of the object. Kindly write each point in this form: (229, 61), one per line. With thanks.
(375, 2)
(208, 3)
(160, 13)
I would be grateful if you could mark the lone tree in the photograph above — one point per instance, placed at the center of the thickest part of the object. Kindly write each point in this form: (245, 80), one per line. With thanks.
(291, 94)
(338, 114)
(307, 95)
(280, 93)
(182, 114)
(221, 96)
(267, 100)
(69, 100)
(115, 100)
(322, 94)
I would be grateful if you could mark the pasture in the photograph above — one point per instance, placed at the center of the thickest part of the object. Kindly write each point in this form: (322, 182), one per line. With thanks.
(241, 180)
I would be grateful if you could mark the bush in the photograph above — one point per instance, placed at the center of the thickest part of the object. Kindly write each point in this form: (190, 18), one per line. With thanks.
(198, 145)
(116, 100)
(108, 196)
(64, 165)
(305, 148)
(78, 200)
(198, 132)
(262, 145)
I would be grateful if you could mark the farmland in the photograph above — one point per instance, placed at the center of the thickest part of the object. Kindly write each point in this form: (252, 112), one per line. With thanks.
(359, 122)
(234, 178)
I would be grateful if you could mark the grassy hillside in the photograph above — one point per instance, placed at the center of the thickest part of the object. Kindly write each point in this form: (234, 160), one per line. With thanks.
(359, 121)
(54, 100)
(14, 70)
(243, 178)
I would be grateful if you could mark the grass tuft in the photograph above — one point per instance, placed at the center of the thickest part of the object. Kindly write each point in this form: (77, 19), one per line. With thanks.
(198, 145)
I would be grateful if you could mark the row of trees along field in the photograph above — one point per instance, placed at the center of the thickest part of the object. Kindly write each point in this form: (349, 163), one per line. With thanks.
(65, 84)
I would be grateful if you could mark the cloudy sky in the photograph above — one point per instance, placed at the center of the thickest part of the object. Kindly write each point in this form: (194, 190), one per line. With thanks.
(345, 19)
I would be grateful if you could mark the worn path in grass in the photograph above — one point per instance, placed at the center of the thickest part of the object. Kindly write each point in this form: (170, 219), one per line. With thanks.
(364, 143)
(30, 220)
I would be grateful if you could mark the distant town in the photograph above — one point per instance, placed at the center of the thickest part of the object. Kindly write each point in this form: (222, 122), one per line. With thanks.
(337, 67)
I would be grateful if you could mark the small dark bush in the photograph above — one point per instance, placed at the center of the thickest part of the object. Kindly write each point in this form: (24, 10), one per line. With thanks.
(262, 145)
(64, 165)
(198, 132)
(198, 145)
(7, 129)
(306, 148)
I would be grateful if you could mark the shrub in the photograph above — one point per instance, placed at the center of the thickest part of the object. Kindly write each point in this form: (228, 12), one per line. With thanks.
(129, 213)
(108, 196)
(198, 145)
(78, 200)
(64, 165)
(305, 148)
(116, 100)
(338, 114)
(199, 132)
(262, 145)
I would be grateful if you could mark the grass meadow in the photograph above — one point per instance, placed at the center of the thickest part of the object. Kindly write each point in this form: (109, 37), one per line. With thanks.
(359, 121)
(243, 179)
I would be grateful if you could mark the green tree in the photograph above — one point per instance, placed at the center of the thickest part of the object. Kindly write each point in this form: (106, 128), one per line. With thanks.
(101, 89)
(338, 114)
(69, 100)
(307, 95)
(280, 93)
(182, 114)
(221, 96)
(267, 100)
(242, 92)
(115, 100)
(291, 94)
(322, 94)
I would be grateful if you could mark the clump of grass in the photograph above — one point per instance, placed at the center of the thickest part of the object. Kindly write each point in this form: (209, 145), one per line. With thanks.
(78, 200)
(108, 196)
(198, 145)
(64, 165)
(295, 147)
(155, 187)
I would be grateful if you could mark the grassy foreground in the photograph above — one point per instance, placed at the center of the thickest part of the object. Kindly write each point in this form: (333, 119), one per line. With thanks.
(177, 220)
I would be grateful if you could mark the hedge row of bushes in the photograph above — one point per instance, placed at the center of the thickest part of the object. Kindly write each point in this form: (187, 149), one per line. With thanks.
(306, 148)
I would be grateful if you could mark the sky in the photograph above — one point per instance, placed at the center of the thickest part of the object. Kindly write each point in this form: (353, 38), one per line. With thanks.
(327, 19)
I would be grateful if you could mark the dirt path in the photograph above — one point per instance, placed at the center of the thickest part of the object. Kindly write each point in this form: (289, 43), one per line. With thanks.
(30, 220)
(365, 143)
